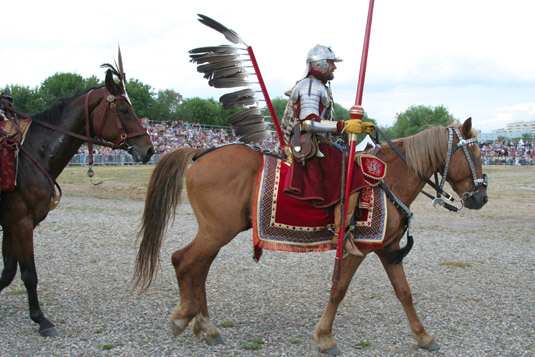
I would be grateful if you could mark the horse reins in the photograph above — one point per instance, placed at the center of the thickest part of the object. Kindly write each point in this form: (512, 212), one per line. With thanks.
(120, 143)
(439, 188)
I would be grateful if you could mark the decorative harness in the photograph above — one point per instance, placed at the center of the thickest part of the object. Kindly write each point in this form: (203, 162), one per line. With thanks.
(437, 200)
(120, 143)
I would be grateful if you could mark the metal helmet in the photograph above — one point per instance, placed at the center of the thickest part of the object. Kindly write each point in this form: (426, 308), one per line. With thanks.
(318, 56)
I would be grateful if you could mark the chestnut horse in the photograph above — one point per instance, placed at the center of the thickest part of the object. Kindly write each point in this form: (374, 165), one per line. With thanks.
(53, 138)
(221, 187)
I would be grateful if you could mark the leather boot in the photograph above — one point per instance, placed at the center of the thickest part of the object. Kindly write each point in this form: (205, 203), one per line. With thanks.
(349, 246)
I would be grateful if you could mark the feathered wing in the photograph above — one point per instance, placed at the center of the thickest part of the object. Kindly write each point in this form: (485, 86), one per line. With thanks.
(229, 66)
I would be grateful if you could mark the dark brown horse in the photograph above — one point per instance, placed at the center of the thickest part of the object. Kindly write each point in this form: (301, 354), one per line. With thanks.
(221, 187)
(53, 138)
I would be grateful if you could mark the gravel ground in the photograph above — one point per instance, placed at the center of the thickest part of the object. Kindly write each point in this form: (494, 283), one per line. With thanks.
(472, 275)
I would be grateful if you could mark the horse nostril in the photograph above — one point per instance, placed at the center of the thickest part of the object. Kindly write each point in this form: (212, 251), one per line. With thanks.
(150, 152)
(485, 199)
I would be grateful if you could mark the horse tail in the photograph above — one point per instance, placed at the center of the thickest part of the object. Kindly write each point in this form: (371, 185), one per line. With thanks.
(164, 194)
(396, 257)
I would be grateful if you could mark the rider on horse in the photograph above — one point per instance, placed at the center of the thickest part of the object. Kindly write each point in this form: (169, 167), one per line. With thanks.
(309, 116)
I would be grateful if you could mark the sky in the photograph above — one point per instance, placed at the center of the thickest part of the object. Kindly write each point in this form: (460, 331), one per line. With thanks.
(474, 57)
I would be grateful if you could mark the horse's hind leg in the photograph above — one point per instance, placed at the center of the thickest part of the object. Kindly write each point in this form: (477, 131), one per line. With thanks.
(28, 272)
(10, 262)
(192, 269)
(397, 277)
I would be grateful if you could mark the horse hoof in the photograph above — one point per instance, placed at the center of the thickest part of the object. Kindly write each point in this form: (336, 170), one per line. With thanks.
(433, 346)
(215, 340)
(333, 351)
(49, 332)
(176, 330)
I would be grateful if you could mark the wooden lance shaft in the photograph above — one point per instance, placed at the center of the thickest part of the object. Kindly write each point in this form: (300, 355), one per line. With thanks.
(356, 112)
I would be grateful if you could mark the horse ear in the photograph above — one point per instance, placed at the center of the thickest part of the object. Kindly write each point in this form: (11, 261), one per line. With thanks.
(110, 83)
(467, 127)
(450, 122)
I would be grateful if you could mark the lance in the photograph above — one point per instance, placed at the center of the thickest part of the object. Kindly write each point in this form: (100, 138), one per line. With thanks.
(356, 112)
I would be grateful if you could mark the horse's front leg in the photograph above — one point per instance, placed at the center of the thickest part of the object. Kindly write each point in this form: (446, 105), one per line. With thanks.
(10, 261)
(23, 236)
(323, 332)
(397, 277)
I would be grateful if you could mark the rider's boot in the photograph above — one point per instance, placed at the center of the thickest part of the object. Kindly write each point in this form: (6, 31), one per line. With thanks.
(349, 245)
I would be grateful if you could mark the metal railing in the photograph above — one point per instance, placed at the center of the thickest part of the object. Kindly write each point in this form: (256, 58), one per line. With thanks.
(108, 159)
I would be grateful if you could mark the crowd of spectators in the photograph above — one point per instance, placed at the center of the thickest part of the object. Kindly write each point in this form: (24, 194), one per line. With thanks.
(507, 152)
(171, 135)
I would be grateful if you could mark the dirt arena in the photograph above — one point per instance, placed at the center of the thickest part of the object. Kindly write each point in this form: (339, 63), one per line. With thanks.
(472, 276)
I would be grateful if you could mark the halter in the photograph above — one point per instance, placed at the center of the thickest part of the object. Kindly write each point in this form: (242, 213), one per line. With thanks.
(478, 182)
(120, 143)
(437, 200)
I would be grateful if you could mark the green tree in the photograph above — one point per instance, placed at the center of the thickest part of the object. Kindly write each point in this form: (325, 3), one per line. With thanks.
(25, 99)
(417, 118)
(528, 137)
(141, 96)
(204, 111)
(166, 105)
(61, 85)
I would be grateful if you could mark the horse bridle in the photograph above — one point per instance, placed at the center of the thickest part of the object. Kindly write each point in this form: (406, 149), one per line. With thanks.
(439, 188)
(121, 142)
(463, 143)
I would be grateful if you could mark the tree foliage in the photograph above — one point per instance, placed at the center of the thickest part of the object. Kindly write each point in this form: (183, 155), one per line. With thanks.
(416, 119)
(167, 105)
(62, 85)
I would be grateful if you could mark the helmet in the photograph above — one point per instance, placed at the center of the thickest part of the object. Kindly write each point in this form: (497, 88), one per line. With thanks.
(318, 56)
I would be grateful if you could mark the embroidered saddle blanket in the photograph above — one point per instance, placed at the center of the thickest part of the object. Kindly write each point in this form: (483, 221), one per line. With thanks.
(284, 223)
(11, 135)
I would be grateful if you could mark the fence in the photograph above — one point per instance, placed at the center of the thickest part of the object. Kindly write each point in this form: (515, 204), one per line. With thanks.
(126, 159)
(108, 159)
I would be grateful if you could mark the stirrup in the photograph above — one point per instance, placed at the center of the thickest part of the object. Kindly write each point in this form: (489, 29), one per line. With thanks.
(353, 250)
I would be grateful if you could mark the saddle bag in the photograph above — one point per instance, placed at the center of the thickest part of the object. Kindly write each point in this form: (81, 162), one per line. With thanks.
(303, 144)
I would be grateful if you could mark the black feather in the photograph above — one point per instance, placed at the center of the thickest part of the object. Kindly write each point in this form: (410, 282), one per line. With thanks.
(228, 33)
(229, 82)
(213, 57)
(255, 137)
(249, 129)
(211, 67)
(215, 49)
(242, 114)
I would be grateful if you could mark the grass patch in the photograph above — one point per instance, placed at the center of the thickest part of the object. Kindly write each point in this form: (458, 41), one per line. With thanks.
(108, 346)
(295, 341)
(254, 345)
(16, 292)
(456, 264)
(363, 344)
(228, 323)
(118, 182)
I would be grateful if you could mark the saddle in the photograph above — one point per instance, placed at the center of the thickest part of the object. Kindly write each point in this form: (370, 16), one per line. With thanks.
(12, 134)
(284, 223)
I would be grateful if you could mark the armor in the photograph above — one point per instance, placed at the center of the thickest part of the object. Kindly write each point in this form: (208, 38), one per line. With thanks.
(318, 56)
(310, 92)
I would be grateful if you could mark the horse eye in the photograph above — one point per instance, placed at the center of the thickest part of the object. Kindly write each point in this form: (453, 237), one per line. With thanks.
(124, 110)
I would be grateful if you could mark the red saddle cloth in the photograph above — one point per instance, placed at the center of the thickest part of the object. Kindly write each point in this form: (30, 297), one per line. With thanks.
(284, 223)
(12, 134)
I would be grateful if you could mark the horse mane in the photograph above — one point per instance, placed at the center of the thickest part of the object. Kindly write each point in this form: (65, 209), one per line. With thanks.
(53, 113)
(429, 147)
